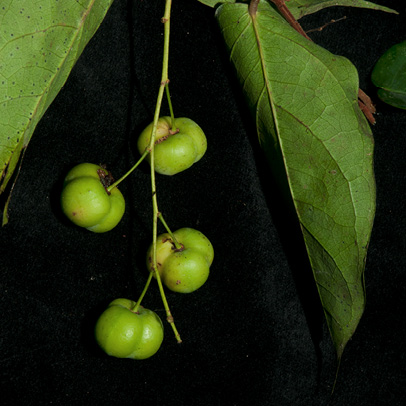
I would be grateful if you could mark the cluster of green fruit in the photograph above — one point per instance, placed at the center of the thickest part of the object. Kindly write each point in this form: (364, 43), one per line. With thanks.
(91, 199)
(88, 202)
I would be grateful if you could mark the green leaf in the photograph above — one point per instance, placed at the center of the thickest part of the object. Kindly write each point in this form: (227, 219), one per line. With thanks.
(389, 74)
(304, 100)
(39, 45)
(214, 3)
(300, 8)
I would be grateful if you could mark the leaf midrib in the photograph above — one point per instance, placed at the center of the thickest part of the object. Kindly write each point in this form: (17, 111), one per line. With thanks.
(275, 117)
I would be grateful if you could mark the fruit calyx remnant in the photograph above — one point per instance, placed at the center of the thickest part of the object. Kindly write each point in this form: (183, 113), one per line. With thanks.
(106, 179)
(180, 249)
(165, 137)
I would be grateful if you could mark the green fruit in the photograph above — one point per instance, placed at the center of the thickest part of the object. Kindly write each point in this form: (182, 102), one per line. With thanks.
(85, 200)
(174, 152)
(187, 269)
(122, 333)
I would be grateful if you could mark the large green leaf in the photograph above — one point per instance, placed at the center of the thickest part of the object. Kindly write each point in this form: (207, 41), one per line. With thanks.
(300, 8)
(39, 44)
(304, 100)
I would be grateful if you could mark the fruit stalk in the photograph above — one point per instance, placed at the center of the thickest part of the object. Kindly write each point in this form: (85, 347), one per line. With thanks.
(168, 96)
(164, 81)
(175, 241)
(138, 302)
(117, 182)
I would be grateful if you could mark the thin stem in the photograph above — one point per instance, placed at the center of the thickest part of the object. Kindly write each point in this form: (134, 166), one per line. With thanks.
(117, 182)
(138, 302)
(164, 82)
(164, 78)
(175, 241)
(163, 85)
(168, 96)
(169, 316)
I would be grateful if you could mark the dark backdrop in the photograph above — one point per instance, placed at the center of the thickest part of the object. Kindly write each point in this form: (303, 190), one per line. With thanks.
(254, 334)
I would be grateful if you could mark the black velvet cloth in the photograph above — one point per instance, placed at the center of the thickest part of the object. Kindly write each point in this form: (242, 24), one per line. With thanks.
(254, 334)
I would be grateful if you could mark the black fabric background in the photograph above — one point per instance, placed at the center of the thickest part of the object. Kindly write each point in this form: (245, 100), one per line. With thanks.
(254, 334)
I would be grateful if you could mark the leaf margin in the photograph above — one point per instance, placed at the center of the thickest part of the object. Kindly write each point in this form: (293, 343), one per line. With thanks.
(301, 8)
